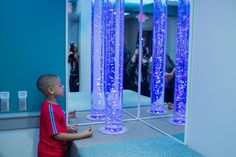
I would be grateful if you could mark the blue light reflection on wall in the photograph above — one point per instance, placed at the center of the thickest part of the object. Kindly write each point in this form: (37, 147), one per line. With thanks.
(181, 62)
(97, 62)
(114, 45)
(158, 56)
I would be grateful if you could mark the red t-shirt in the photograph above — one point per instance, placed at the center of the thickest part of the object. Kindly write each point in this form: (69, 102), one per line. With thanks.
(52, 122)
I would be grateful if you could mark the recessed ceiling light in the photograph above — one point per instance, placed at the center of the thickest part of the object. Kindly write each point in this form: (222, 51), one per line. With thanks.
(145, 1)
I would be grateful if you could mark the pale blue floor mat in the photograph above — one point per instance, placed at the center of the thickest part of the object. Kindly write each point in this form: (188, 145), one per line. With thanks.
(148, 147)
(179, 136)
(139, 141)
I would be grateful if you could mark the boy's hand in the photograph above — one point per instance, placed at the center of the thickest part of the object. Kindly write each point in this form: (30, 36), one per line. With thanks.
(89, 132)
(168, 77)
(73, 128)
(72, 114)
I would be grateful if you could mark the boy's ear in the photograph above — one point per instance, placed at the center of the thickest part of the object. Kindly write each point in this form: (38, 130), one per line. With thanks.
(50, 90)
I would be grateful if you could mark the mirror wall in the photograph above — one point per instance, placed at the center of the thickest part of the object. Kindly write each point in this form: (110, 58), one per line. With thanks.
(79, 32)
(160, 121)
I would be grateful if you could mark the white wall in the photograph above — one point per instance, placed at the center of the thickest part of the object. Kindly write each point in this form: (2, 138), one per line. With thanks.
(84, 8)
(73, 28)
(171, 37)
(19, 143)
(211, 105)
(131, 27)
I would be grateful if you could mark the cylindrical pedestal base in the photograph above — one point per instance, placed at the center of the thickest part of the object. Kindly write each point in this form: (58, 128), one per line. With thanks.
(98, 117)
(177, 121)
(157, 112)
(113, 131)
(157, 109)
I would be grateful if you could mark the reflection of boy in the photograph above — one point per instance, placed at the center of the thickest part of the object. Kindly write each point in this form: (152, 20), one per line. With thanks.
(53, 132)
(73, 59)
(126, 68)
(169, 82)
(145, 72)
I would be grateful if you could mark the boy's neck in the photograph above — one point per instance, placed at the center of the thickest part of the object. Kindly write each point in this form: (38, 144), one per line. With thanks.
(51, 99)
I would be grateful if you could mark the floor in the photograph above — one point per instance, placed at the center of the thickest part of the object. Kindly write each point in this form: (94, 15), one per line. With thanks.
(145, 137)
(140, 126)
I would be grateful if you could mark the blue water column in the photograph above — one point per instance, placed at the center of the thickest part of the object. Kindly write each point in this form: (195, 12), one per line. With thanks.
(181, 62)
(158, 57)
(97, 63)
(113, 48)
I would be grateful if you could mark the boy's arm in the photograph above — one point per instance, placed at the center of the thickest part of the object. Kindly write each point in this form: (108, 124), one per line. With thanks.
(135, 56)
(74, 136)
(172, 72)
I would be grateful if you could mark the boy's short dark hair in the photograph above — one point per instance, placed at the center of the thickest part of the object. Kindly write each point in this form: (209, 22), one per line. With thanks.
(45, 81)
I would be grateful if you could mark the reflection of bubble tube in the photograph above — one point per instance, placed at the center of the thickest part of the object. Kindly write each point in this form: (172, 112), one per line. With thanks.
(158, 57)
(97, 64)
(113, 12)
(181, 62)
(113, 116)
(157, 108)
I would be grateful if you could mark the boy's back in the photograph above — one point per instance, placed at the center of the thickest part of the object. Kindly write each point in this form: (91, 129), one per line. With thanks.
(52, 121)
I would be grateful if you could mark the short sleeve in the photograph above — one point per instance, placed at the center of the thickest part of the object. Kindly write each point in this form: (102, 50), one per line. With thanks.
(55, 120)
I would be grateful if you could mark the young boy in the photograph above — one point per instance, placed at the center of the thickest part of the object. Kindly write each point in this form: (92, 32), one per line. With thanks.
(53, 131)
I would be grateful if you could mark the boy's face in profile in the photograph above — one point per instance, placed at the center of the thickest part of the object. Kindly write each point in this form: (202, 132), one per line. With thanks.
(58, 88)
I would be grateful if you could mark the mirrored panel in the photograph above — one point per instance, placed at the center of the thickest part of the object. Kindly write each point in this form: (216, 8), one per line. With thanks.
(79, 61)
(165, 37)
(131, 45)
(169, 46)
(79, 81)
